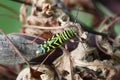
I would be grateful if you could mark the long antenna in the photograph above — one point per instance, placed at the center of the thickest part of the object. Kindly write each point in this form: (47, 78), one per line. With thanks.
(76, 15)
(85, 27)
(78, 28)
(60, 5)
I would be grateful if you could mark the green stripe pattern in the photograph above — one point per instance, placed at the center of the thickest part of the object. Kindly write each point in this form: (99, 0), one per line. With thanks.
(55, 41)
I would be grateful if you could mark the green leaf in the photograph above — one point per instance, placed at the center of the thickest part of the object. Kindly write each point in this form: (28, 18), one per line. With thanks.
(84, 17)
(9, 18)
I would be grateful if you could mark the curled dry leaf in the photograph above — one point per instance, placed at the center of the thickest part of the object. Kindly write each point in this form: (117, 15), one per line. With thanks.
(67, 63)
(40, 2)
(23, 13)
(104, 45)
(43, 13)
(90, 67)
(46, 73)
(107, 72)
(95, 69)
(63, 66)
(79, 52)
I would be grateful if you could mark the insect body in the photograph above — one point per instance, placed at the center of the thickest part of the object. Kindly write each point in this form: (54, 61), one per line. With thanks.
(56, 41)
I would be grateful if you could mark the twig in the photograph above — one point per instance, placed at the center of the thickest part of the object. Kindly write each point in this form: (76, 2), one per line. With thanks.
(48, 28)
(44, 59)
(111, 23)
(111, 39)
(103, 21)
(97, 44)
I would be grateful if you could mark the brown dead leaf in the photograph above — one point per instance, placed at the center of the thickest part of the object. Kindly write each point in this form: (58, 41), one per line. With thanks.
(46, 73)
(63, 65)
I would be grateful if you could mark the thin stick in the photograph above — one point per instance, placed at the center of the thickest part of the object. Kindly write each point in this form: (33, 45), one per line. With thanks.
(114, 41)
(35, 40)
(18, 52)
(103, 21)
(79, 29)
(28, 35)
(42, 27)
(111, 23)
(45, 59)
(47, 56)
(76, 15)
(98, 45)
(60, 5)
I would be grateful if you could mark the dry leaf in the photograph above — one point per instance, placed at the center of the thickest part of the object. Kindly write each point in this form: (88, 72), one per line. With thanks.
(48, 73)
(63, 66)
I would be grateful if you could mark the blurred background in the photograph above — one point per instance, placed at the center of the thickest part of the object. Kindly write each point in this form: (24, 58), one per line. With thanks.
(92, 13)
(9, 14)
(9, 19)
